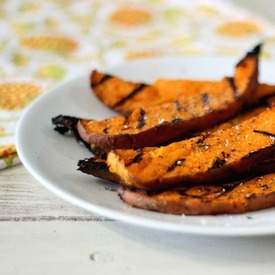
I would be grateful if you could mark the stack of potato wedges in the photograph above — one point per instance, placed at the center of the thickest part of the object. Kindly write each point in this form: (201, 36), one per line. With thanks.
(184, 146)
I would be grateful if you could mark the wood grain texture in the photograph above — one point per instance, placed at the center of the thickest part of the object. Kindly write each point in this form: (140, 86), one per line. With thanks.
(22, 198)
(45, 248)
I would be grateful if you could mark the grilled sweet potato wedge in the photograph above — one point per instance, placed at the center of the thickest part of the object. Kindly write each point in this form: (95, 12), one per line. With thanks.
(129, 96)
(116, 92)
(151, 96)
(205, 158)
(159, 124)
(212, 199)
(125, 96)
(99, 168)
(189, 88)
(96, 167)
(67, 125)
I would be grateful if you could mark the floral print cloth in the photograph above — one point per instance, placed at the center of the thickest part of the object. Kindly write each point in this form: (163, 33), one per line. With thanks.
(43, 43)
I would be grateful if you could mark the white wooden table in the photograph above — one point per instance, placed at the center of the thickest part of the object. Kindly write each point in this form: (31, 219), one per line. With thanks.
(41, 234)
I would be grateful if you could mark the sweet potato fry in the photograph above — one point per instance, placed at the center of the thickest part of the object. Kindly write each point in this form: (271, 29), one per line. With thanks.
(212, 199)
(205, 158)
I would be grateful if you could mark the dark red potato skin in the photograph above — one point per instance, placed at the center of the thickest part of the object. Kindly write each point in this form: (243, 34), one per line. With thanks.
(146, 131)
(256, 194)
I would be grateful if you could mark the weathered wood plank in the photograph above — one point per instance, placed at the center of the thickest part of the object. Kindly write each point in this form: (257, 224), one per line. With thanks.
(112, 248)
(23, 198)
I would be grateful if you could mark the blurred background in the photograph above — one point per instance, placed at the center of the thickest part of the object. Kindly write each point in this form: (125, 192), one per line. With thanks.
(43, 43)
(263, 7)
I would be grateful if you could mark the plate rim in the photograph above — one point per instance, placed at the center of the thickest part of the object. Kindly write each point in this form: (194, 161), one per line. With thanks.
(114, 214)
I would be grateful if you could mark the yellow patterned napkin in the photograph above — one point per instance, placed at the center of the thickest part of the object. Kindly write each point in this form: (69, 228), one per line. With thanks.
(43, 43)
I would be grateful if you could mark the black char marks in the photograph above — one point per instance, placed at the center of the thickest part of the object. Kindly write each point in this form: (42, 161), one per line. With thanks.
(264, 133)
(220, 161)
(233, 87)
(201, 144)
(254, 52)
(104, 78)
(135, 91)
(106, 130)
(137, 158)
(141, 119)
(91, 164)
(178, 162)
(65, 124)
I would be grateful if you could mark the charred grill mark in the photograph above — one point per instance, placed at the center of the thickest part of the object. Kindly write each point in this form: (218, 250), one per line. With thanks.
(103, 79)
(67, 125)
(200, 143)
(254, 52)
(91, 164)
(141, 119)
(106, 130)
(137, 158)
(126, 122)
(233, 87)
(218, 163)
(135, 91)
(177, 163)
(264, 133)
(264, 187)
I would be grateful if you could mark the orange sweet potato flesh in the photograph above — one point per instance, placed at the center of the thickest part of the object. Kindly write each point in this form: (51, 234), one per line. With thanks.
(249, 195)
(181, 88)
(98, 166)
(125, 96)
(118, 94)
(210, 199)
(115, 92)
(158, 124)
(211, 157)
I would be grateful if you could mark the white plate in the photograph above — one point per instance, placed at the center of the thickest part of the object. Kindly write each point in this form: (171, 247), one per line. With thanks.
(52, 158)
